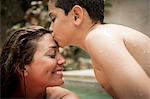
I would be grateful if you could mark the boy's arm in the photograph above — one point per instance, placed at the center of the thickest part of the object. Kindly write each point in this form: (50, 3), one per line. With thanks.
(60, 93)
(125, 75)
(103, 80)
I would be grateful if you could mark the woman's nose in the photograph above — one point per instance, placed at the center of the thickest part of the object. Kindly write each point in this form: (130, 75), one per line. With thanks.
(61, 60)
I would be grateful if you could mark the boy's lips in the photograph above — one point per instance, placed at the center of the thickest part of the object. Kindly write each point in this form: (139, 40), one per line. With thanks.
(53, 35)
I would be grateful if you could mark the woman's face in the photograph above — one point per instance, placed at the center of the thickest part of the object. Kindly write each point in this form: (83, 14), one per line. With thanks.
(46, 68)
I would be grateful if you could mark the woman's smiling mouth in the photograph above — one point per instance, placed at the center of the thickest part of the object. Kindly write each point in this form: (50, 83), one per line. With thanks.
(58, 71)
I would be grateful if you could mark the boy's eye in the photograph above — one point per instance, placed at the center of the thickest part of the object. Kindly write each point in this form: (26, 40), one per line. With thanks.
(53, 19)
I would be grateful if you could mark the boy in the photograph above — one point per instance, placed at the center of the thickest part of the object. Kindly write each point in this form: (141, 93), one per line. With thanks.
(120, 55)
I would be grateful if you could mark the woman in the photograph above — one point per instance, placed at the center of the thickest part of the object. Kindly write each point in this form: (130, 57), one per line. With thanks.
(31, 66)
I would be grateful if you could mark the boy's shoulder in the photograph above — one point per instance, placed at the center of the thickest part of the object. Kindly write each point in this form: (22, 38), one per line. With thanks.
(110, 32)
(105, 29)
(114, 26)
(114, 30)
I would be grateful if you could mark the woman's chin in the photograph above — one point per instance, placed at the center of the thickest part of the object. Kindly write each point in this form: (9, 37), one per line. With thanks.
(57, 83)
(61, 82)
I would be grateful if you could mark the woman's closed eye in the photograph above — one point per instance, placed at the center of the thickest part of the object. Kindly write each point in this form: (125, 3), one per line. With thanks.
(52, 55)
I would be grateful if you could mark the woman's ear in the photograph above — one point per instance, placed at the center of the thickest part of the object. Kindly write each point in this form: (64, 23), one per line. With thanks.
(25, 70)
(77, 14)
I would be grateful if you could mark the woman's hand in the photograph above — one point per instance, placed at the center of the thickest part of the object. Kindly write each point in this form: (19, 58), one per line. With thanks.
(60, 93)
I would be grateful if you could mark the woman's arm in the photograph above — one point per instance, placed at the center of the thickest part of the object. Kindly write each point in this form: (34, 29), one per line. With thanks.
(60, 93)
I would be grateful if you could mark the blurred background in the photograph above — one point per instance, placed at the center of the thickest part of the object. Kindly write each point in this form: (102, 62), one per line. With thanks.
(20, 13)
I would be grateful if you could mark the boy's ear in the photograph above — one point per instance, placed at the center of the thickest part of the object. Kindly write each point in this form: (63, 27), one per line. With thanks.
(77, 14)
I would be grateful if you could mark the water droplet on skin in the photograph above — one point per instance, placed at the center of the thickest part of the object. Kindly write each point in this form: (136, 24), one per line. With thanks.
(140, 94)
(100, 51)
(113, 42)
(147, 52)
(135, 45)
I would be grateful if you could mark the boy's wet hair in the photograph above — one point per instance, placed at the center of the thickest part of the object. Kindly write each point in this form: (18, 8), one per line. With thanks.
(17, 52)
(95, 8)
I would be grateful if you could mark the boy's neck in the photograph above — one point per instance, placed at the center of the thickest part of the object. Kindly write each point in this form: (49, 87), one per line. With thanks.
(82, 35)
(92, 27)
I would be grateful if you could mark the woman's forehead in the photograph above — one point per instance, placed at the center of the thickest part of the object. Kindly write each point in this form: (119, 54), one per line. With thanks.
(47, 41)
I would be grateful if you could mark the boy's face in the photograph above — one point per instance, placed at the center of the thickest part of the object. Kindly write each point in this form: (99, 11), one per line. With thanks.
(62, 25)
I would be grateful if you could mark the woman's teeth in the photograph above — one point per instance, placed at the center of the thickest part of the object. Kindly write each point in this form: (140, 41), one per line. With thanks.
(59, 72)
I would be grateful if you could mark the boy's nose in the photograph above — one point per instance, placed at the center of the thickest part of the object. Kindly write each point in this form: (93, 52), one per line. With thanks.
(51, 27)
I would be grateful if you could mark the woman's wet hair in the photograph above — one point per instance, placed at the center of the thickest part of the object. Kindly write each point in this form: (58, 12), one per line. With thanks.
(17, 52)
